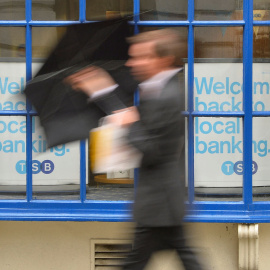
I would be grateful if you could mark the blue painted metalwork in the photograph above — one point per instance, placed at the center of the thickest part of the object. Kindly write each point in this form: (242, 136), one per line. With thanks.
(52, 23)
(190, 102)
(10, 113)
(82, 19)
(82, 171)
(261, 23)
(12, 23)
(187, 23)
(136, 20)
(82, 8)
(198, 211)
(217, 114)
(28, 43)
(261, 113)
(247, 101)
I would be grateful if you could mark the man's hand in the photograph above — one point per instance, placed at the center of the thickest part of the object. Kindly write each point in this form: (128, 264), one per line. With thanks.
(90, 80)
(125, 117)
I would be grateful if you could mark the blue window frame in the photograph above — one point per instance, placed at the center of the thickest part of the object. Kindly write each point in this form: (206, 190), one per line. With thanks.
(245, 210)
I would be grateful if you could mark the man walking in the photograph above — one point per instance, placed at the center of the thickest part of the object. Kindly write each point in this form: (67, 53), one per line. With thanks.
(156, 128)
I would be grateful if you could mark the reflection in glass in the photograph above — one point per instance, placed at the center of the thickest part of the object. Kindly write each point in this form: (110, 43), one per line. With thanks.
(12, 68)
(261, 34)
(12, 10)
(13, 157)
(113, 186)
(260, 168)
(218, 158)
(12, 43)
(163, 10)
(261, 95)
(218, 10)
(261, 43)
(118, 186)
(96, 9)
(218, 42)
(52, 10)
(56, 171)
(261, 101)
(261, 5)
(45, 39)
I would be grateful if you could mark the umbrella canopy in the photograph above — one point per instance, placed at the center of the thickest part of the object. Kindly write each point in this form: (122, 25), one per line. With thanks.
(65, 114)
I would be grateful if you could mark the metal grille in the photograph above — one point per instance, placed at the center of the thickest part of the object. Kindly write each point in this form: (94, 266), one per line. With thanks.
(108, 254)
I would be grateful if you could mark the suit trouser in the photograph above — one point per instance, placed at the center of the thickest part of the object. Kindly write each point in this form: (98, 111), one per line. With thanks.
(150, 239)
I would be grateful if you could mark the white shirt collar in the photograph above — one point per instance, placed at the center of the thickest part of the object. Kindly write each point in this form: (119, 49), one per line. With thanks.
(159, 80)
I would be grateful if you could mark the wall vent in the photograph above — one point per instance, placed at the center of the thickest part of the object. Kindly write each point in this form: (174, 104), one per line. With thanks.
(108, 254)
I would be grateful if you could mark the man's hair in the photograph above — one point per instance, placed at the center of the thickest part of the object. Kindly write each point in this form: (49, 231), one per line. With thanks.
(168, 42)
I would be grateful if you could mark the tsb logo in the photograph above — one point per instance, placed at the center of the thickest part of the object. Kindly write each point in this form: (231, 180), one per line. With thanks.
(228, 167)
(47, 166)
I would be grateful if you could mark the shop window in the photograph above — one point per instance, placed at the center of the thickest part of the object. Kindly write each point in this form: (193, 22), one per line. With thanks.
(227, 112)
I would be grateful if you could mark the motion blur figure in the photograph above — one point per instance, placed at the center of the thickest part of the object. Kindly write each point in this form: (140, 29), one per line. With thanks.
(156, 128)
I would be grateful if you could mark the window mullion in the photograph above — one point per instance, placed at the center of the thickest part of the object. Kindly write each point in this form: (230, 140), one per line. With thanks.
(82, 11)
(28, 41)
(82, 171)
(190, 102)
(247, 100)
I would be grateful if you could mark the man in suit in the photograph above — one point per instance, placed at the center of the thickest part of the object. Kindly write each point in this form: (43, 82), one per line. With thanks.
(156, 128)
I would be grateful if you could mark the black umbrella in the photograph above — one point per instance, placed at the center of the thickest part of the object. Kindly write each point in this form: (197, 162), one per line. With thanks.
(65, 114)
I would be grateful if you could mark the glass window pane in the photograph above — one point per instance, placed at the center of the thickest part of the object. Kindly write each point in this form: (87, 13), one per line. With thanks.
(163, 10)
(56, 171)
(261, 5)
(219, 42)
(12, 10)
(218, 69)
(45, 39)
(218, 160)
(117, 185)
(260, 167)
(218, 10)
(12, 84)
(96, 9)
(261, 95)
(12, 42)
(52, 10)
(13, 157)
(12, 68)
(261, 43)
(261, 102)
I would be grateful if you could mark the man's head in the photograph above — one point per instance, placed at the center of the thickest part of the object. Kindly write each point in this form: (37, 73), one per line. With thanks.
(154, 51)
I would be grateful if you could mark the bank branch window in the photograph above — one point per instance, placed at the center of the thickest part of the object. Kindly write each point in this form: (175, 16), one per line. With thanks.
(226, 74)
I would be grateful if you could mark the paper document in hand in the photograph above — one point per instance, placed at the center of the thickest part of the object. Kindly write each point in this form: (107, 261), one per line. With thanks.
(110, 151)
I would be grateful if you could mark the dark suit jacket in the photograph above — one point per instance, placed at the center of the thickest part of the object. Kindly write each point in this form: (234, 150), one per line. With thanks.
(159, 135)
